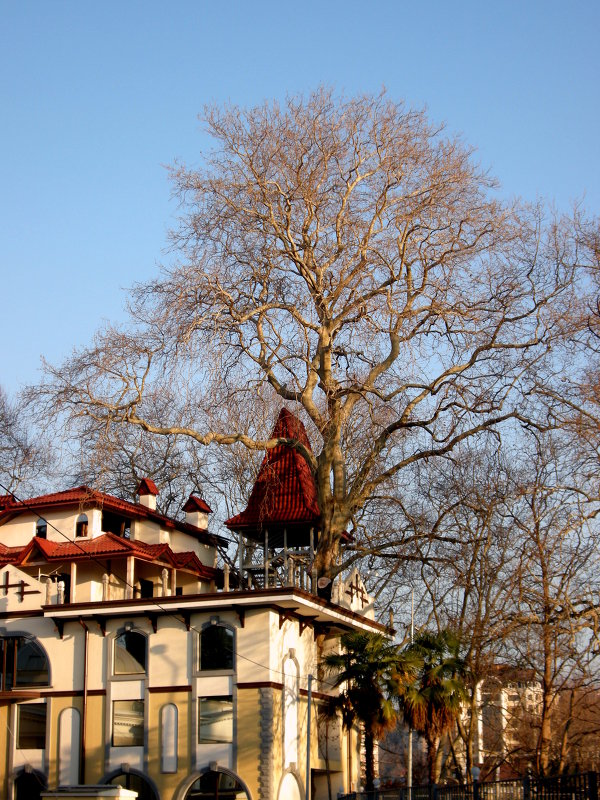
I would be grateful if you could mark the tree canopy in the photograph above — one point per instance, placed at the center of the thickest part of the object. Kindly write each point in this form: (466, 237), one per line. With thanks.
(433, 701)
(344, 257)
(25, 459)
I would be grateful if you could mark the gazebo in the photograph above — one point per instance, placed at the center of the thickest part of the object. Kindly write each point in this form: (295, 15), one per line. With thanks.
(279, 529)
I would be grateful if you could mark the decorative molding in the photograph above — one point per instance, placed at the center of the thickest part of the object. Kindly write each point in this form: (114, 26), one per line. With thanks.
(277, 687)
(260, 685)
(265, 769)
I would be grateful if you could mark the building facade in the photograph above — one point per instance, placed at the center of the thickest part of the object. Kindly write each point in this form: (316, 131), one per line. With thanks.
(132, 654)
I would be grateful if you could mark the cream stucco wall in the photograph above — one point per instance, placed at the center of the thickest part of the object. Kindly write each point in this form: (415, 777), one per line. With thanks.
(265, 638)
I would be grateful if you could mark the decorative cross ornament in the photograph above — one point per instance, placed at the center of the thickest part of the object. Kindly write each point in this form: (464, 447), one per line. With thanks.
(356, 589)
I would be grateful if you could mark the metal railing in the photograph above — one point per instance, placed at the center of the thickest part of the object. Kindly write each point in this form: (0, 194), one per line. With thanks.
(581, 786)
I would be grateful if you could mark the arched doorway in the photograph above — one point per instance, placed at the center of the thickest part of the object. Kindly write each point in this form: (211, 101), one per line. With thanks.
(28, 785)
(216, 785)
(136, 782)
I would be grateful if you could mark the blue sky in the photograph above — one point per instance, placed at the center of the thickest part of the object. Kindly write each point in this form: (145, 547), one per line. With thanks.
(97, 98)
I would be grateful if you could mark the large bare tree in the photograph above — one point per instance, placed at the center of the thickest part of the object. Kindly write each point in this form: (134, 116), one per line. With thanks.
(344, 257)
(557, 613)
(25, 457)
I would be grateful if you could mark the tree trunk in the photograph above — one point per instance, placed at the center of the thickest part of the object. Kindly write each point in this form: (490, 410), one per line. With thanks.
(369, 760)
(327, 555)
(432, 748)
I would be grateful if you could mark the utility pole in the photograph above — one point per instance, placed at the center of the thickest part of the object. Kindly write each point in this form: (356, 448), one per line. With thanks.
(409, 779)
(309, 700)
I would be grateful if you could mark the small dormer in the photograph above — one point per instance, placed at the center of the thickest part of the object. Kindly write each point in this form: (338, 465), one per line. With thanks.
(196, 512)
(147, 492)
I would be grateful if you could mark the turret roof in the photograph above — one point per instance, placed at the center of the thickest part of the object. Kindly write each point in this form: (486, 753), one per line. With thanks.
(285, 492)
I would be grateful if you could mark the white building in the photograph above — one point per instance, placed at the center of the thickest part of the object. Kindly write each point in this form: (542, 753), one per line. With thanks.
(130, 657)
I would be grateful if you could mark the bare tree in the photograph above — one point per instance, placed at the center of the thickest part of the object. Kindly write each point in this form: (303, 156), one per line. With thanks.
(465, 559)
(25, 460)
(557, 611)
(508, 558)
(344, 257)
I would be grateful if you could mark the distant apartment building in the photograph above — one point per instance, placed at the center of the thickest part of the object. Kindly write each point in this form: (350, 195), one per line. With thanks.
(509, 701)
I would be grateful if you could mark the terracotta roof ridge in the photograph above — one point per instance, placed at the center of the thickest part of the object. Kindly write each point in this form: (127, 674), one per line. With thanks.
(285, 489)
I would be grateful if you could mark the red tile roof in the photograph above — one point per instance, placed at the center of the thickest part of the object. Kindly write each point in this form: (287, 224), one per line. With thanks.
(147, 486)
(6, 500)
(106, 545)
(285, 492)
(85, 497)
(195, 503)
(9, 555)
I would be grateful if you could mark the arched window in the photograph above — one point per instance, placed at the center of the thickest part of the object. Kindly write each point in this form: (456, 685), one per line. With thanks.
(130, 653)
(136, 782)
(23, 662)
(216, 647)
(216, 785)
(81, 526)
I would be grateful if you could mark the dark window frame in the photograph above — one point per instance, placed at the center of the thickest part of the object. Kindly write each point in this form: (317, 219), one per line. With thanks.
(132, 651)
(216, 783)
(11, 675)
(216, 655)
(227, 701)
(133, 779)
(82, 526)
(141, 726)
(32, 736)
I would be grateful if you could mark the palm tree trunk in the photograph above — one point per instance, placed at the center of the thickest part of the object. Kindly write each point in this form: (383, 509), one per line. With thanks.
(432, 748)
(369, 760)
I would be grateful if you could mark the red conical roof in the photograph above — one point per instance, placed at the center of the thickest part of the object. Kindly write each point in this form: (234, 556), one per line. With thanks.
(285, 492)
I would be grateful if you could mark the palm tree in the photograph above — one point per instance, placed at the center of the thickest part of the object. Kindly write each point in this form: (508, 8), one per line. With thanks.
(432, 702)
(369, 668)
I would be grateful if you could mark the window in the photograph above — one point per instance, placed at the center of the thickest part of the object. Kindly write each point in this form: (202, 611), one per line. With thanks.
(216, 784)
(81, 526)
(215, 719)
(146, 588)
(22, 663)
(128, 723)
(41, 528)
(29, 785)
(216, 647)
(135, 782)
(130, 653)
(115, 523)
(31, 726)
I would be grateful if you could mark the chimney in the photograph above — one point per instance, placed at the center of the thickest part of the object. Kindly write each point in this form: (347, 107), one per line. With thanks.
(196, 512)
(147, 492)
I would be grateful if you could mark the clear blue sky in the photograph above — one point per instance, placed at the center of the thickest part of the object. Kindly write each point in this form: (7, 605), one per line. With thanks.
(97, 97)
